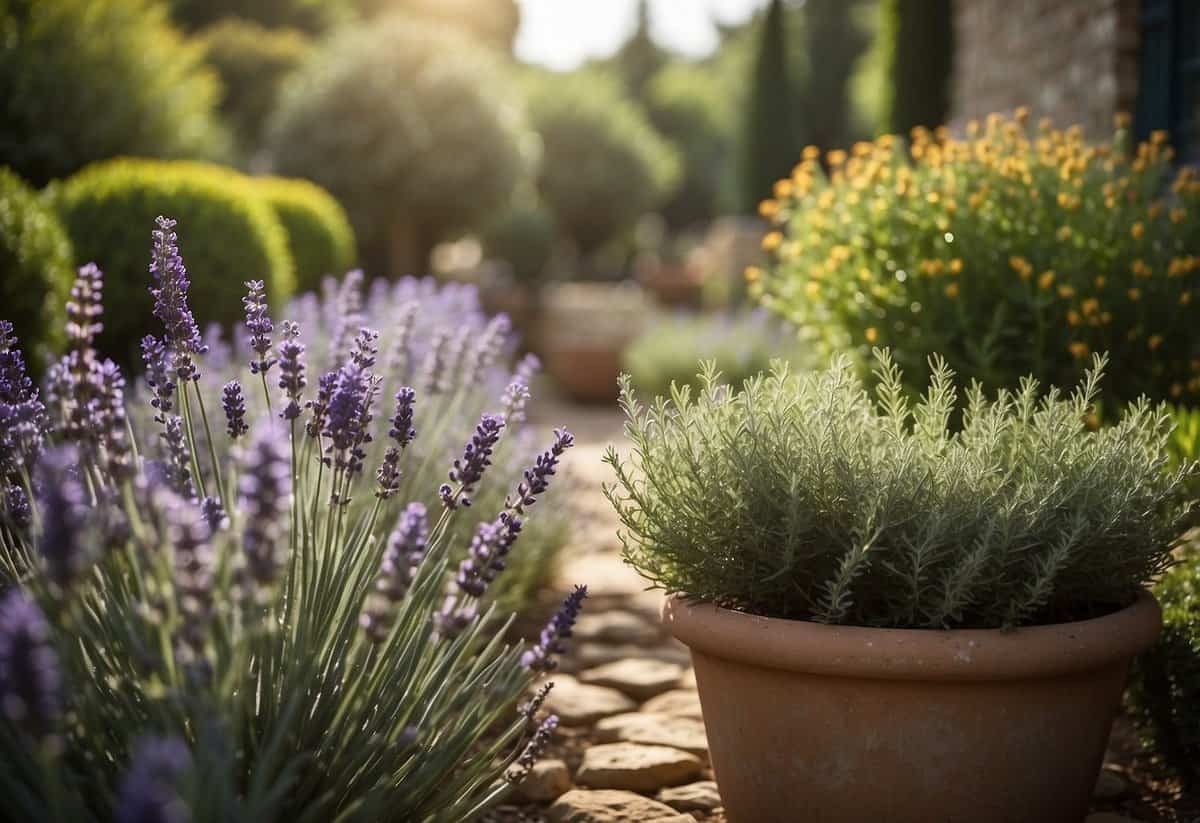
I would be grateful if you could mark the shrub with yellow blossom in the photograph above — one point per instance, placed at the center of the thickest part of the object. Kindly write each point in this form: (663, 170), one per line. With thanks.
(1011, 250)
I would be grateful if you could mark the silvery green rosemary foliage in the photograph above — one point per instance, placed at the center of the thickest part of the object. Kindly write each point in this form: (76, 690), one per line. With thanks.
(806, 496)
(194, 628)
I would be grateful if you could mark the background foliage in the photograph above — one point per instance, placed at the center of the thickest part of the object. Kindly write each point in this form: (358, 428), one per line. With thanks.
(83, 80)
(320, 238)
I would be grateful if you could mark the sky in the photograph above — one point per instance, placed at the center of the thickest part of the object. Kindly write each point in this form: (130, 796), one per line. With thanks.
(561, 34)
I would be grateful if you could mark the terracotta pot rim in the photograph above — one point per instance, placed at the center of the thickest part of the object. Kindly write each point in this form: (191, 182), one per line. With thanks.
(915, 654)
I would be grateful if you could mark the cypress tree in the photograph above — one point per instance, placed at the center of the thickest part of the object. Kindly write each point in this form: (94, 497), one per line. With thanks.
(770, 142)
(920, 42)
(834, 43)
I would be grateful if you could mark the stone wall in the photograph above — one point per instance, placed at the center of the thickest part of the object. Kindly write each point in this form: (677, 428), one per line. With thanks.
(1072, 60)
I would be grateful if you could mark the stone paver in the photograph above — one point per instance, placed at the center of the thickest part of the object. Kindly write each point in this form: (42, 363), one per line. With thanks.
(685, 733)
(616, 627)
(636, 767)
(592, 654)
(701, 796)
(640, 678)
(606, 806)
(678, 702)
(548, 780)
(580, 704)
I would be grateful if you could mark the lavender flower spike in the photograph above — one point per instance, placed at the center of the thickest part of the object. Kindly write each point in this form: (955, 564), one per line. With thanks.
(158, 377)
(405, 550)
(149, 792)
(30, 680)
(170, 291)
(65, 543)
(402, 430)
(84, 308)
(486, 556)
(468, 470)
(534, 749)
(234, 404)
(540, 656)
(347, 418)
(22, 413)
(263, 498)
(258, 323)
(291, 370)
(537, 478)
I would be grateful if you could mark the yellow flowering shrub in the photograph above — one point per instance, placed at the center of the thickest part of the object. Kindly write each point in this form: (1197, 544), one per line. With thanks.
(1011, 250)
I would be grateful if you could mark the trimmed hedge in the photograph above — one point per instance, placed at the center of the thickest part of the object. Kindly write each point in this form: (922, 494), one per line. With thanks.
(35, 268)
(320, 237)
(228, 234)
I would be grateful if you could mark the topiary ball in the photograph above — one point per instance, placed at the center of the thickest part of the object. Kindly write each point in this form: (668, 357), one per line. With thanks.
(320, 237)
(228, 234)
(35, 268)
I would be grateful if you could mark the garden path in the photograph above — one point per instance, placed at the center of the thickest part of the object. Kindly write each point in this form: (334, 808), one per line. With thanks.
(632, 745)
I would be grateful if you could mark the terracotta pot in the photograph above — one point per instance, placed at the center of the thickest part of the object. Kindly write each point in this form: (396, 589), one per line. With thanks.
(587, 374)
(834, 724)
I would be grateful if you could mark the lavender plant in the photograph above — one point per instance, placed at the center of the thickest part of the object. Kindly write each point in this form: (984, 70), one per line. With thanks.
(806, 496)
(455, 364)
(248, 618)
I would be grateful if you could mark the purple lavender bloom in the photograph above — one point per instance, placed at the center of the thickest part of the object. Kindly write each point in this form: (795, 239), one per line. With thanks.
(22, 414)
(347, 313)
(540, 656)
(397, 363)
(513, 402)
(194, 574)
(170, 294)
(453, 617)
(468, 469)
(291, 370)
(110, 429)
(487, 349)
(214, 514)
(150, 789)
(320, 405)
(402, 430)
(537, 478)
(347, 418)
(534, 749)
(158, 377)
(66, 542)
(258, 323)
(365, 348)
(30, 679)
(16, 508)
(405, 551)
(529, 366)
(433, 378)
(529, 710)
(487, 554)
(176, 465)
(84, 308)
(388, 474)
(263, 498)
(234, 404)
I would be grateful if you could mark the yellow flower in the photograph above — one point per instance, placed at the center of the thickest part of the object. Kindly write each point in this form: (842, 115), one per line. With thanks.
(864, 274)
(1185, 298)
(836, 157)
(1137, 230)
(812, 288)
(1177, 215)
(810, 153)
(771, 240)
(1073, 318)
(783, 188)
(952, 290)
(1106, 318)
(1122, 120)
(1021, 115)
(872, 334)
(1064, 233)
(752, 274)
(768, 208)
(1155, 341)
(956, 266)
(1079, 350)
(1134, 294)
(1100, 281)
(1066, 291)
(1140, 269)
(1046, 280)
(1090, 306)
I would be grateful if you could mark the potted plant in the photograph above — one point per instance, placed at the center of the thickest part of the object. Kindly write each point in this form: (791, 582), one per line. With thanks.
(585, 329)
(898, 611)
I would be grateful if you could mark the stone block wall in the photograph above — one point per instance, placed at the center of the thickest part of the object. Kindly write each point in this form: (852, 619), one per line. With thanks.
(1072, 60)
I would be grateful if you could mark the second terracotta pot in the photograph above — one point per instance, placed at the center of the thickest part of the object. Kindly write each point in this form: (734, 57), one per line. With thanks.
(834, 724)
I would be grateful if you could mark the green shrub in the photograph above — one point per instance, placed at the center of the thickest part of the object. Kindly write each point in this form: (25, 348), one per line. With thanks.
(603, 166)
(688, 105)
(35, 268)
(83, 80)
(312, 16)
(741, 345)
(230, 235)
(319, 235)
(805, 496)
(524, 236)
(252, 61)
(408, 125)
(1165, 690)
(1010, 253)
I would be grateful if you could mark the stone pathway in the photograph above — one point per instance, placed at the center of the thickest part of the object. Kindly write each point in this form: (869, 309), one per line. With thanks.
(632, 746)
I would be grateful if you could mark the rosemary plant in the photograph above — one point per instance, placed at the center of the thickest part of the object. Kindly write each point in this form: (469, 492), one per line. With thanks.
(807, 496)
(266, 632)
